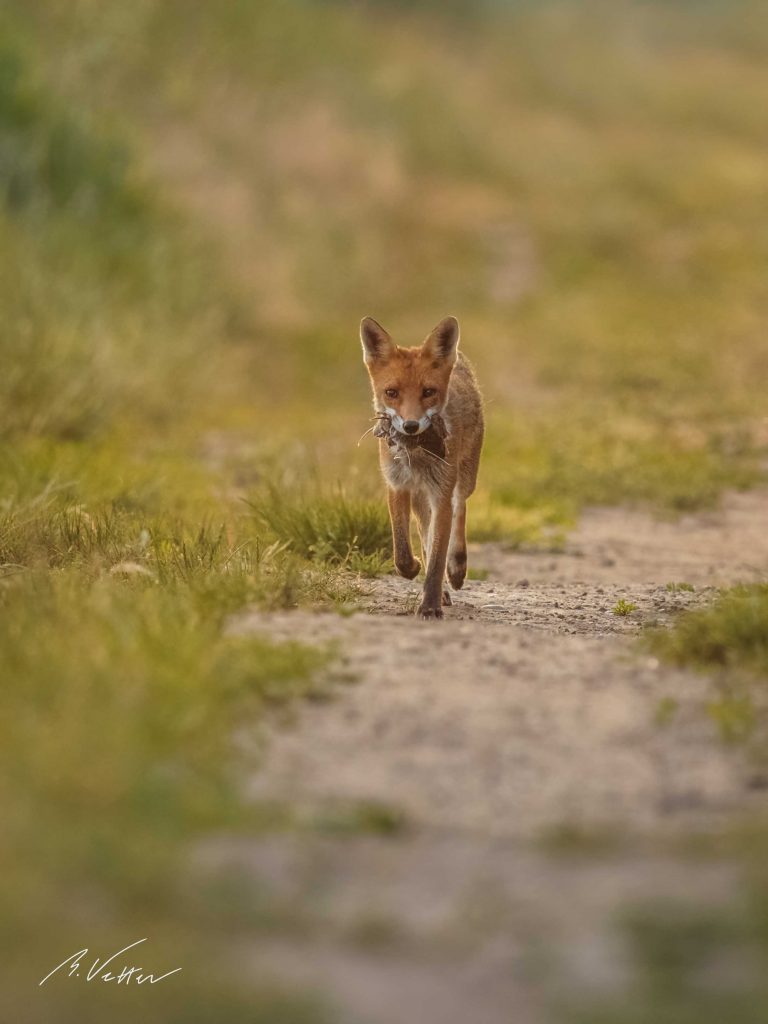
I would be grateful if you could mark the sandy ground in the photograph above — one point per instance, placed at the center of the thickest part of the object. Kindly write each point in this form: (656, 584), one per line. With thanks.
(530, 713)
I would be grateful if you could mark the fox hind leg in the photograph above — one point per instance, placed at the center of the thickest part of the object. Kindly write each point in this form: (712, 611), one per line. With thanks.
(457, 547)
(465, 486)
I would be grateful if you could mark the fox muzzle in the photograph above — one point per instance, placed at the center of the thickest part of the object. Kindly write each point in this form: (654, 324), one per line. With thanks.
(411, 426)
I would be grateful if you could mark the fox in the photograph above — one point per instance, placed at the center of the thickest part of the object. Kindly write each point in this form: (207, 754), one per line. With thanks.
(430, 426)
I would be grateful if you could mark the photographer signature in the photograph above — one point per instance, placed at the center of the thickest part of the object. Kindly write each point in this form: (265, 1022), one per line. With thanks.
(98, 970)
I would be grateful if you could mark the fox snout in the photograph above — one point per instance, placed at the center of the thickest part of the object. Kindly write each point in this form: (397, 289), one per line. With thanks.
(409, 425)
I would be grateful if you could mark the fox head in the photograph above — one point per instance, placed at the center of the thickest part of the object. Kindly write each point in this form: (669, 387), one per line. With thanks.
(410, 385)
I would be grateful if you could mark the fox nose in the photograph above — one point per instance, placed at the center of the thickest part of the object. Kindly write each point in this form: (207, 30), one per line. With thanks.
(411, 426)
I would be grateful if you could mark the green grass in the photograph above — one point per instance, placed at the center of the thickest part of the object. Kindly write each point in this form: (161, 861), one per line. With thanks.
(336, 529)
(117, 755)
(50, 161)
(728, 639)
(732, 633)
(735, 716)
(687, 963)
(623, 607)
(121, 560)
(130, 695)
(97, 275)
(675, 948)
(609, 280)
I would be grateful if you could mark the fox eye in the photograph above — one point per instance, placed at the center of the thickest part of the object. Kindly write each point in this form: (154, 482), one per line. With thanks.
(429, 392)
(391, 392)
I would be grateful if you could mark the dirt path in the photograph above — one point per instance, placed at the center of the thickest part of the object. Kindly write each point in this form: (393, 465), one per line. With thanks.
(527, 715)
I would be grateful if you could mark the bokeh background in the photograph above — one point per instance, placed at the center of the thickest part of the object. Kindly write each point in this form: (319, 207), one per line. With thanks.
(198, 202)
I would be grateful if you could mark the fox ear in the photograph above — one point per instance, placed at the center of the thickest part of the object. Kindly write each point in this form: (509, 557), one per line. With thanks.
(442, 343)
(377, 344)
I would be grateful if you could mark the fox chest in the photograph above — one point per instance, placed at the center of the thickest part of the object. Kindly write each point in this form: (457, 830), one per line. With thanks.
(414, 469)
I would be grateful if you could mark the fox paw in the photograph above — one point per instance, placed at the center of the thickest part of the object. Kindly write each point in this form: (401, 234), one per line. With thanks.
(409, 569)
(427, 612)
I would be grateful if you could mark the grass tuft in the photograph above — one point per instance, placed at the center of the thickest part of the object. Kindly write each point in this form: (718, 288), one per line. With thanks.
(733, 633)
(336, 529)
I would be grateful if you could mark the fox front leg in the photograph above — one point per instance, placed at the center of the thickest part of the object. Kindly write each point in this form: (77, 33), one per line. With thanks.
(432, 598)
(400, 517)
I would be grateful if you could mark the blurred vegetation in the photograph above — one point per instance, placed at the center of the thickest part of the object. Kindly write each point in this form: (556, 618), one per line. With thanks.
(733, 632)
(677, 953)
(604, 245)
(198, 202)
(730, 640)
(695, 966)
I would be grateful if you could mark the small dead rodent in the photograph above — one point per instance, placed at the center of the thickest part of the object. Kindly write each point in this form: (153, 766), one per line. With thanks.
(394, 438)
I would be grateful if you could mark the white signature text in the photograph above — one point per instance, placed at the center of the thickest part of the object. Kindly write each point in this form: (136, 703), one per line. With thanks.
(101, 971)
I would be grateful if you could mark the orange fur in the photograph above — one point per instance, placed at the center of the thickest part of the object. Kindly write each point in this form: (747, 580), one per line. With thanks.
(432, 416)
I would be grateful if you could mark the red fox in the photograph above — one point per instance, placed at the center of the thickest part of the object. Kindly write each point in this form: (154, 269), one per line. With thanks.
(430, 426)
